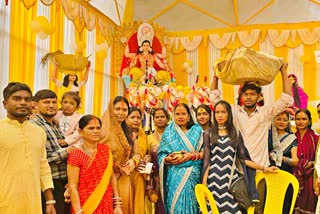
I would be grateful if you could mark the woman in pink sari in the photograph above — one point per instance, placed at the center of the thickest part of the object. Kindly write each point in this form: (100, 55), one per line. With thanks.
(307, 143)
(300, 97)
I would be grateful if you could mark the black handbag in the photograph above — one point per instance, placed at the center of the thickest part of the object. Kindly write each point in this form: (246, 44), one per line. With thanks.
(239, 188)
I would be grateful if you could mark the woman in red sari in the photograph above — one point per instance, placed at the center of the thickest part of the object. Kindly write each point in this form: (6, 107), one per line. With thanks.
(307, 143)
(92, 183)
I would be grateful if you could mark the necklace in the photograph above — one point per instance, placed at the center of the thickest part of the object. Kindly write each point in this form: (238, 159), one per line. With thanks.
(158, 135)
(222, 127)
(87, 150)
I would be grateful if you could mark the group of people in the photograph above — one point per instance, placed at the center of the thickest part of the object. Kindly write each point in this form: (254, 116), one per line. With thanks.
(86, 164)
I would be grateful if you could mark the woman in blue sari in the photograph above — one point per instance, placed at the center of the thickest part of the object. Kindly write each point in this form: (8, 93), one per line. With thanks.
(179, 157)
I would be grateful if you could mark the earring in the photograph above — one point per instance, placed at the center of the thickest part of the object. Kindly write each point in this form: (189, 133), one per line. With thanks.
(140, 49)
(150, 49)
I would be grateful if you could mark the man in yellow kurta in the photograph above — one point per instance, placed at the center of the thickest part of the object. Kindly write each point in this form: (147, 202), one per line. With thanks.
(24, 167)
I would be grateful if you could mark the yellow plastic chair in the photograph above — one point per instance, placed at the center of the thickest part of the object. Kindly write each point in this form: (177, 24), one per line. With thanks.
(202, 192)
(276, 188)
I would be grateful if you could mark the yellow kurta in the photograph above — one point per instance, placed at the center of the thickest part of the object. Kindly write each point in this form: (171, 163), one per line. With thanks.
(24, 167)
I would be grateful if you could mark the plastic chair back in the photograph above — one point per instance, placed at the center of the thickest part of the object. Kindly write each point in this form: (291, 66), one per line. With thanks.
(276, 188)
(202, 192)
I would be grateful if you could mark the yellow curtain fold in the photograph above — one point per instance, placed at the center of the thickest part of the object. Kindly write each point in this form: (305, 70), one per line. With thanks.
(128, 12)
(98, 76)
(180, 75)
(81, 37)
(278, 86)
(114, 73)
(56, 39)
(227, 90)
(203, 63)
(310, 72)
(22, 44)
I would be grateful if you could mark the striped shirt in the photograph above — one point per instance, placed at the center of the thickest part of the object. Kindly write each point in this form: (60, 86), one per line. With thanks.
(56, 155)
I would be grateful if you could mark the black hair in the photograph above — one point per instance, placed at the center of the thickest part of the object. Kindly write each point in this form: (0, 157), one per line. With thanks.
(126, 130)
(85, 120)
(307, 112)
(250, 86)
(318, 105)
(163, 110)
(66, 80)
(145, 41)
(44, 94)
(133, 109)
(190, 123)
(207, 109)
(231, 130)
(73, 95)
(119, 99)
(13, 87)
(288, 128)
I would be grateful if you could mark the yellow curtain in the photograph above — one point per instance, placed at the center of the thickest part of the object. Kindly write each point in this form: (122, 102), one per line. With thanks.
(22, 44)
(128, 12)
(180, 75)
(98, 76)
(283, 53)
(81, 38)
(203, 62)
(114, 73)
(310, 72)
(56, 39)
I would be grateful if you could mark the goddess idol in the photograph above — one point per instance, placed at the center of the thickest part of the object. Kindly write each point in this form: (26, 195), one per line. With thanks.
(144, 59)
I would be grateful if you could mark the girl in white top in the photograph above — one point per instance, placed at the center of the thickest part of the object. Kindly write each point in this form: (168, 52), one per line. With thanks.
(70, 81)
(68, 119)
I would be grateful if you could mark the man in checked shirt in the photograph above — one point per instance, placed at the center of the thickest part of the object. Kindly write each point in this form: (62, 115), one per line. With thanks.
(47, 106)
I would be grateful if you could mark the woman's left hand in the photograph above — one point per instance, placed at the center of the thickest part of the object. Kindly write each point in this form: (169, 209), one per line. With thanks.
(130, 165)
(309, 165)
(272, 169)
(141, 165)
(186, 156)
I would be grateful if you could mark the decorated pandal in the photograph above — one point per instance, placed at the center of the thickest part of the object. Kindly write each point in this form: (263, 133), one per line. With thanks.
(149, 81)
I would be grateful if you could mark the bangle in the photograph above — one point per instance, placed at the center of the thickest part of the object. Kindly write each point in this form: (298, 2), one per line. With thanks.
(50, 202)
(80, 211)
(136, 160)
(194, 156)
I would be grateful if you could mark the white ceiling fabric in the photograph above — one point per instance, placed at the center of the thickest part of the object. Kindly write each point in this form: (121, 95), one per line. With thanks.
(187, 15)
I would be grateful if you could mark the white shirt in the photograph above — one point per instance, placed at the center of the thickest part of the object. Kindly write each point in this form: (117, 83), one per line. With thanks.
(254, 127)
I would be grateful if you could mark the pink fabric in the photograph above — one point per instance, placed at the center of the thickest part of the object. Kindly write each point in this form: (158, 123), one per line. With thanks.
(302, 96)
(72, 136)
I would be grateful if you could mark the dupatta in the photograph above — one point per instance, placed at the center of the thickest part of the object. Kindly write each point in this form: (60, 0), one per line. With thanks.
(112, 134)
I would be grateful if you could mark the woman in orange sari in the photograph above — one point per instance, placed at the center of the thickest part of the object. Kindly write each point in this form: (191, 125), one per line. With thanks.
(126, 156)
(160, 118)
(92, 182)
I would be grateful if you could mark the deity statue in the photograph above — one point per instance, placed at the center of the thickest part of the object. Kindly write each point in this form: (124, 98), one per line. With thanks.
(144, 59)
